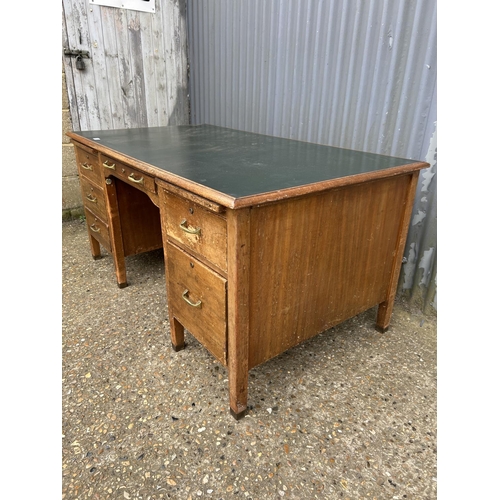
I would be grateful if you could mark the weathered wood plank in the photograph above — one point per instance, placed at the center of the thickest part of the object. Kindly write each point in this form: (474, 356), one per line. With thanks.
(152, 66)
(79, 38)
(98, 66)
(68, 69)
(175, 36)
(137, 66)
(137, 74)
(125, 71)
(113, 56)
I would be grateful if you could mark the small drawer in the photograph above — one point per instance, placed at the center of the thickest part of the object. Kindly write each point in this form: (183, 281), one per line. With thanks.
(197, 228)
(88, 165)
(128, 174)
(197, 298)
(93, 198)
(98, 229)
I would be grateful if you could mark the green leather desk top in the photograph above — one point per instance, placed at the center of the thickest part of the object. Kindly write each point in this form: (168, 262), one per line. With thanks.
(237, 163)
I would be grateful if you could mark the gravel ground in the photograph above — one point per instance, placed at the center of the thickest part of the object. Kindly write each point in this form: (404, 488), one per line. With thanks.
(350, 414)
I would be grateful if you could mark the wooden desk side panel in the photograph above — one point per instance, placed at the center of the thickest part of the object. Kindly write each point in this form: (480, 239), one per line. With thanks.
(319, 260)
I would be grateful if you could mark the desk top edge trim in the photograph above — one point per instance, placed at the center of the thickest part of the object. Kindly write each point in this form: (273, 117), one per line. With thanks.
(317, 187)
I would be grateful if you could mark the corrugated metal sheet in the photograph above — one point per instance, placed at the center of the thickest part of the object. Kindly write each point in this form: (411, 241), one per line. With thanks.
(353, 74)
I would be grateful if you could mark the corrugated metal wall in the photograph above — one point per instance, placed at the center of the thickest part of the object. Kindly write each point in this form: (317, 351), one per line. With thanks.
(354, 74)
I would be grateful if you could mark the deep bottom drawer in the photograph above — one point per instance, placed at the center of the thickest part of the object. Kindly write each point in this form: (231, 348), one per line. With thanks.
(98, 229)
(197, 298)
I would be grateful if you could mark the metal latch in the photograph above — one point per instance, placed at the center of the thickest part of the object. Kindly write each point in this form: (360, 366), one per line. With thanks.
(79, 54)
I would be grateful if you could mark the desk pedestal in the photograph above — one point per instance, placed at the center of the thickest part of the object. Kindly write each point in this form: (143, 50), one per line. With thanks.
(293, 269)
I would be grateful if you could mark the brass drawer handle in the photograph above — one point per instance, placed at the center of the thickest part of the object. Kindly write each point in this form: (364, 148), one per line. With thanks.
(91, 198)
(86, 166)
(133, 179)
(107, 165)
(183, 226)
(94, 228)
(193, 304)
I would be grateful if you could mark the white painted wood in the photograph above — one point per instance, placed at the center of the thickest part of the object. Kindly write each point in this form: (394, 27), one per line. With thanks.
(137, 73)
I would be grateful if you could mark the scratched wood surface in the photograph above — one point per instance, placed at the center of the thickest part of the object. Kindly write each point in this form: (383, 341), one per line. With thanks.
(137, 73)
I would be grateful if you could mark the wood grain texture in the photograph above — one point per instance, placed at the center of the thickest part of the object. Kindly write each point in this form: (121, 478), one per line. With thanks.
(128, 174)
(137, 73)
(238, 304)
(384, 312)
(93, 198)
(139, 219)
(211, 242)
(116, 234)
(199, 284)
(319, 260)
(97, 229)
(188, 195)
(176, 328)
(88, 165)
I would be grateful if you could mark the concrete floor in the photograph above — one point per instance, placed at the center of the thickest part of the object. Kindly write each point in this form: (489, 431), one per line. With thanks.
(350, 414)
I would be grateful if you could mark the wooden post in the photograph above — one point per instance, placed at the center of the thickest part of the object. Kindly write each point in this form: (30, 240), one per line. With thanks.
(115, 232)
(238, 250)
(384, 312)
(176, 328)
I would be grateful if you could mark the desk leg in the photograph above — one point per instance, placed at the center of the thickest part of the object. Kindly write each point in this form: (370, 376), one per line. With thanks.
(176, 328)
(95, 247)
(384, 314)
(238, 243)
(116, 234)
(176, 334)
(385, 308)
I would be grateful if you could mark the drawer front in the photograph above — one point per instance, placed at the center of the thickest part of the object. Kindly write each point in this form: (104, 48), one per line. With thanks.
(88, 165)
(128, 174)
(93, 198)
(200, 230)
(98, 229)
(197, 298)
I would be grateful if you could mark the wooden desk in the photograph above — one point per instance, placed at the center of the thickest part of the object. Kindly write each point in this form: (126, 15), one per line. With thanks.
(267, 241)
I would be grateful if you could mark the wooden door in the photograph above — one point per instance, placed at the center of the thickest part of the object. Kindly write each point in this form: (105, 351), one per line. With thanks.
(137, 73)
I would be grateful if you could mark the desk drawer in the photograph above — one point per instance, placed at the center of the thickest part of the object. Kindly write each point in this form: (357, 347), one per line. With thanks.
(197, 228)
(93, 198)
(88, 165)
(197, 298)
(98, 229)
(128, 174)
